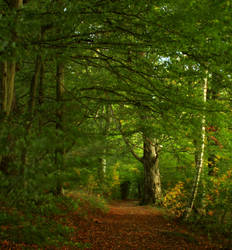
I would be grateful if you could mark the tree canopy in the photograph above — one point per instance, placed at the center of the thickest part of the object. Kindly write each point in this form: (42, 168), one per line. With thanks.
(119, 99)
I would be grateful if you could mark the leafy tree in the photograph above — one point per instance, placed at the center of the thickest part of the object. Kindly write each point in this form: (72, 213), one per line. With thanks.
(85, 83)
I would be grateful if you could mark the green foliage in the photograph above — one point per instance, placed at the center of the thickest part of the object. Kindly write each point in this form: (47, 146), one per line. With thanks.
(138, 63)
(218, 202)
(37, 223)
(86, 201)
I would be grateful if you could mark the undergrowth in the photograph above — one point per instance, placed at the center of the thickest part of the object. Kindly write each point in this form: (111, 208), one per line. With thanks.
(88, 202)
(210, 226)
(32, 224)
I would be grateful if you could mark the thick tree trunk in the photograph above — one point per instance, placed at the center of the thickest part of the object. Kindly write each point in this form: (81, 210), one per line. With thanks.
(200, 162)
(152, 192)
(152, 183)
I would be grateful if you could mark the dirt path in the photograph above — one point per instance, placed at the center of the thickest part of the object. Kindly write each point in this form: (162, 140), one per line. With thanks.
(129, 226)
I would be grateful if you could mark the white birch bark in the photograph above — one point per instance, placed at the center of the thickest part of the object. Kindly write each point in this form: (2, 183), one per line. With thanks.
(200, 163)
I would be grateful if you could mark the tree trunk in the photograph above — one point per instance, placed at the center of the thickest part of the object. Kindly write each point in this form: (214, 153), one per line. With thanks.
(102, 168)
(212, 95)
(3, 86)
(41, 80)
(7, 74)
(31, 108)
(7, 86)
(105, 116)
(16, 3)
(34, 85)
(200, 161)
(7, 82)
(59, 152)
(139, 186)
(152, 192)
(124, 189)
(152, 183)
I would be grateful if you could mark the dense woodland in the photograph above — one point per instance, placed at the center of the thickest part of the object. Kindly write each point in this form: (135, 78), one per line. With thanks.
(114, 100)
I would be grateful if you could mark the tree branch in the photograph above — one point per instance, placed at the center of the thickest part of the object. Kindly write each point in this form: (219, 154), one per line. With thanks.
(127, 141)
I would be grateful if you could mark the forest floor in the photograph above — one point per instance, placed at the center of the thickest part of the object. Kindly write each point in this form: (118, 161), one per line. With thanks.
(126, 226)
(129, 226)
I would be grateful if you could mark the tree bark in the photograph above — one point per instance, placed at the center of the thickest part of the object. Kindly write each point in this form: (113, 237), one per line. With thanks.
(41, 81)
(105, 119)
(152, 192)
(59, 152)
(212, 95)
(102, 167)
(7, 95)
(200, 161)
(8, 69)
(16, 3)
(7, 89)
(34, 85)
(7, 86)
(3, 86)
(152, 183)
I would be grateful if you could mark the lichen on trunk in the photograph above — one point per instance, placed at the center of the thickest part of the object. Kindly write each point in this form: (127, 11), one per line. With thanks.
(152, 182)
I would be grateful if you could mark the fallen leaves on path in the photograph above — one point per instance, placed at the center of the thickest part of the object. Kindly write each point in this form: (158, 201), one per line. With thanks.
(129, 226)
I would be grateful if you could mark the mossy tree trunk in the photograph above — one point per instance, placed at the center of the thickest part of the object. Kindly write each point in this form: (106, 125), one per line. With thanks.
(152, 183)
(152, 192)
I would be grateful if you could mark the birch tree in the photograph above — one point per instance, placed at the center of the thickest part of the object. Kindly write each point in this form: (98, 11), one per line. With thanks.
(200, 161)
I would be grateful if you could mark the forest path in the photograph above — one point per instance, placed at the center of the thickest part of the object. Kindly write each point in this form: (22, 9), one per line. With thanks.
(129, 226)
